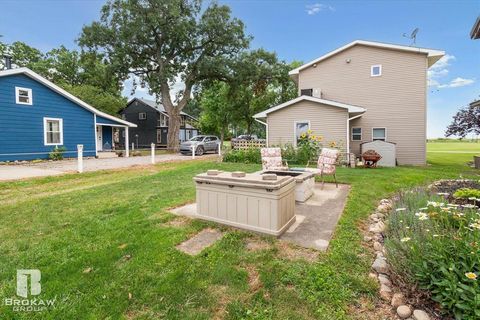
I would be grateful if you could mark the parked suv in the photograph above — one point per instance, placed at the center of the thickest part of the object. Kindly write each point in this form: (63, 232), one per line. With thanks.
(201, 144)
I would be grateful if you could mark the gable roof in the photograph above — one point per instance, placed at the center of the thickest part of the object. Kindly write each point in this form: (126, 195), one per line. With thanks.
(35, 76)
(432, 54)
(157, 106)
(350, 108)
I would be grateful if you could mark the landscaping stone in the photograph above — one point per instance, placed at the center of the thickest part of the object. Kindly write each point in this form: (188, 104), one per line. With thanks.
(377, 246)
(373, 216)
(238, 174)
(380, 265)
(378, 227)
(200, 241)
(404, 311)
(420, 315)
(372, 275)
(367, 239)
(384, 208)
(383, 279)
(385, 292)
(398, 299)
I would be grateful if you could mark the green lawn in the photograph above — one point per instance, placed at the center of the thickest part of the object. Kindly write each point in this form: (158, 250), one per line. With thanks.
(453, 146)
(65, 225)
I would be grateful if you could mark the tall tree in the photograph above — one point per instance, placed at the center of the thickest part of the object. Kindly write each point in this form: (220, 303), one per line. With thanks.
(162, 41)
(466, 121)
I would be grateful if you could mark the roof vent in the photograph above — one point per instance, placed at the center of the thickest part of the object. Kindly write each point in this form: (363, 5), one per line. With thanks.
(8, 61)
(317, 93)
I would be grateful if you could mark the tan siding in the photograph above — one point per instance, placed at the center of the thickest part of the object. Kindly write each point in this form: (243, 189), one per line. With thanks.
(395, 100)
(327, 121)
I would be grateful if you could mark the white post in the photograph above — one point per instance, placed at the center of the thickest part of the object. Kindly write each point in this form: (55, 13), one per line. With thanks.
(80, 157)
(133, 146)
(126, 143)
(193, 152)
(153, 152)
(219, 149)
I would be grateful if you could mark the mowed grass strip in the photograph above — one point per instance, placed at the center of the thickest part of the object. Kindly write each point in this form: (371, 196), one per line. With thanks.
(105, 244)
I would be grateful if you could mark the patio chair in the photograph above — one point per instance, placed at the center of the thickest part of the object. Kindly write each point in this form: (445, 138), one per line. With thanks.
(326, 164)
(272, 159)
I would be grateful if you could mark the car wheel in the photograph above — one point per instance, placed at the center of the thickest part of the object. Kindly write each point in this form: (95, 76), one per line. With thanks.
(199, 151)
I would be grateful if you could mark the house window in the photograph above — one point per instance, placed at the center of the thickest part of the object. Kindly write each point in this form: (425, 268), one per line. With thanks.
(53, 131)
(306, 92)
(376, 70)
(162, 121)
(23, 96)
(379, 134)
(356, 134)
(159, 136)
(142, 115)
(124, 116)
(301, 127)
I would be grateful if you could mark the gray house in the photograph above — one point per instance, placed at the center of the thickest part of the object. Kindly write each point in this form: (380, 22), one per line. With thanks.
(361, 92)
(152, 123)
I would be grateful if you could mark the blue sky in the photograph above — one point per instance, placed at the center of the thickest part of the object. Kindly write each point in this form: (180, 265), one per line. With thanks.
(304, 30)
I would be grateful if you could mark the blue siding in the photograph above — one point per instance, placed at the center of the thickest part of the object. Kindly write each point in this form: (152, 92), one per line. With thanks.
(22, 135)
(103, 120)
(107, 136)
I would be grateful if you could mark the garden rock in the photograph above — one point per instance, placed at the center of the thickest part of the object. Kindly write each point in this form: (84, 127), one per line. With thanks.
(385, 292)
(377, 246)
(420, 315)
(378, 227)
(367, 239)
(404, 311)
(380, 265)
(398, 299)
(383, 279)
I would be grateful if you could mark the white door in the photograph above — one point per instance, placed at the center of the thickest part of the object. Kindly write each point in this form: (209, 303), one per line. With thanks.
(99, 138)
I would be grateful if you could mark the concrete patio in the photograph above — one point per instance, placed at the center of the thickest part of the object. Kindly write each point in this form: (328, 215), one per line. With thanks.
(316, 218)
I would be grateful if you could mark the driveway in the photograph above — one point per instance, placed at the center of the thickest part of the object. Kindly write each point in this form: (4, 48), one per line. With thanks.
(52, 168)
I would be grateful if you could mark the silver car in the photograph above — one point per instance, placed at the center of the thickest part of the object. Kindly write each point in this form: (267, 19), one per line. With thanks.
(201, 144)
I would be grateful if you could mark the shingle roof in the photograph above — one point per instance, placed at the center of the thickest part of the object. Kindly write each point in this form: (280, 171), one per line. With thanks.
(158, 106)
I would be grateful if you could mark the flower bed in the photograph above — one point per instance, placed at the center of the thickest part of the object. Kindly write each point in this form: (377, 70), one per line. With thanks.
(433, 244)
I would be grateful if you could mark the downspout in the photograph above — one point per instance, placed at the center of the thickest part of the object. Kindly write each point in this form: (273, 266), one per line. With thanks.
(95, 131)
(266, 127)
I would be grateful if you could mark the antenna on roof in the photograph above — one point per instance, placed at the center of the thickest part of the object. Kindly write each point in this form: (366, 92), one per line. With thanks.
(412, 36)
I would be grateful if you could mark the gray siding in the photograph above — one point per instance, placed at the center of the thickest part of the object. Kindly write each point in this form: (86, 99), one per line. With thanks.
(327, 121)
(396, 100)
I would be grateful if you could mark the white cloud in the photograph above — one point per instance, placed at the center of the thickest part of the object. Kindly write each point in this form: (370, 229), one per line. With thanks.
(440, 70)
(315, 8)
(457, 82)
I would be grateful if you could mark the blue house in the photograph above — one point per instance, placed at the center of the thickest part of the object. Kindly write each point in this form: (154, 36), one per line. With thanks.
(37, 115)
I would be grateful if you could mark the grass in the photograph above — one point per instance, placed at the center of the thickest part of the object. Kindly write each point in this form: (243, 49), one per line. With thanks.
(68, 224)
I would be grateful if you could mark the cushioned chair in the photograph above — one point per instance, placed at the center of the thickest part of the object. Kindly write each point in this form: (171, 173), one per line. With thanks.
(326, 164)
(272, 159)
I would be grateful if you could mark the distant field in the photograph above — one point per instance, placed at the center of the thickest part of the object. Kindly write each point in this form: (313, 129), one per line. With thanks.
(454, 146)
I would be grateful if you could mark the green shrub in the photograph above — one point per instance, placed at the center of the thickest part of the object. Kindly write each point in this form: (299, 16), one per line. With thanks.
(57, 153)
(251, 155)
(467, 193)
(436, 246)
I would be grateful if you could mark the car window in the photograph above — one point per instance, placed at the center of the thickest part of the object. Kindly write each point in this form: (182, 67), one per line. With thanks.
(197, 138)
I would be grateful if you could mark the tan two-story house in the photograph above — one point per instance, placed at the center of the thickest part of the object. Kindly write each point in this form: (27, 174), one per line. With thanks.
(361, 92)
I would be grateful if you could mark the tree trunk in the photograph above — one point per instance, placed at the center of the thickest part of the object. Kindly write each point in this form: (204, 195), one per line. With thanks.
(173, 140)
(222, 136)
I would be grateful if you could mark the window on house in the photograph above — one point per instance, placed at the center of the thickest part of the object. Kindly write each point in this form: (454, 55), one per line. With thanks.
(301, 127)
(162, 121)
(379, 134)
(376, 70)
(159, 136)
(182, 121)
(53, 131)
(306, 92)
(124, 116)
(142, 115)
(23, 96)
(356, 134)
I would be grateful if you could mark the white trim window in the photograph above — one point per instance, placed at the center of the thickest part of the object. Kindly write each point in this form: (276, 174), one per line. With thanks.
(142, 116)
(159, 135)
(379, 134)
(53, 131)
(300, 127)
(356, 134)
(23, 96)
(376, 70)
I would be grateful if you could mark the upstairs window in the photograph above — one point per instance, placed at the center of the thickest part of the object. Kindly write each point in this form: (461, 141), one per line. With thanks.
(356, 134)
(142, 115)
(53, 131)
(376, 70)
(162, 121)
(306, 92)
(23, 96)
(379, 134)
